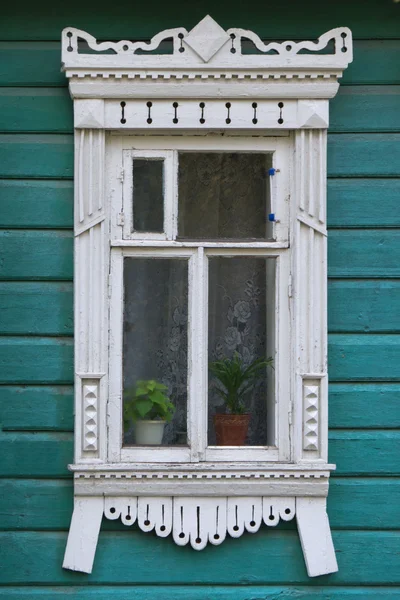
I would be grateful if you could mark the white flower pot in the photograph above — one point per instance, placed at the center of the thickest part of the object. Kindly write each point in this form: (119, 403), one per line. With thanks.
(149, 433)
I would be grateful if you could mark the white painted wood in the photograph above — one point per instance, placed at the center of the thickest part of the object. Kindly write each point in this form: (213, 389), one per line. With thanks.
(198, 491)
(315, 536)
(83, 534)
(205, 53)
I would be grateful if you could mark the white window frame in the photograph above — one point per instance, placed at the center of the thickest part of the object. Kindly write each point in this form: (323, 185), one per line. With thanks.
(120, 154)
(249, 98)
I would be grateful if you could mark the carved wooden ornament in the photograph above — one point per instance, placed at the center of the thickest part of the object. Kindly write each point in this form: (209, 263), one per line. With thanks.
(220, 91)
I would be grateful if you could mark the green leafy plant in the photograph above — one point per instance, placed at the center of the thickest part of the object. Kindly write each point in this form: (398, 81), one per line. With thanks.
(147, 400)
(237, 379)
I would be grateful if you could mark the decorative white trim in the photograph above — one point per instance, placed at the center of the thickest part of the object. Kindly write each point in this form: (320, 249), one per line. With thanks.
(210, 82)
(218, 60)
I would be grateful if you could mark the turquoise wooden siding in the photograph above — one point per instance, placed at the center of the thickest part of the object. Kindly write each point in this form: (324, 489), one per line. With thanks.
(36, 328)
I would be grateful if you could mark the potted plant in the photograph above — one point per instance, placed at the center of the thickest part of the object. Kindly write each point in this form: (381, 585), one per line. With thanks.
(237, 380)
(147, 406)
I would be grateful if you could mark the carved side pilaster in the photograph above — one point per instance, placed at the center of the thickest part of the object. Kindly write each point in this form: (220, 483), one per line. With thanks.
(310, 294)
(91, 268)
(90, 397)
(311, 392)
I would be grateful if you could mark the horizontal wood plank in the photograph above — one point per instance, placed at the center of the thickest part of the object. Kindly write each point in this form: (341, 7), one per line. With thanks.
(31, 64)
(364, 108)
(44, 308)
(38, 63)
(364, 155)
(352, 504)
(294, 21)
(369, 405)
(365, 452)
(364, 357)
(365, 558)
(200, 592)
(41, 255)
(36, 408)
(363, 203)
(36, 110)
(36, 156)
(363, 306)
(36, 360)
(36, 203)
(364, 253)
(46, 454)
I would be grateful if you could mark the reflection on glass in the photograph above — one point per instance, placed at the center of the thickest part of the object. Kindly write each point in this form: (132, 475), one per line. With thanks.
(155, 339)
(148, 195)
(223, 195)
(241, 327)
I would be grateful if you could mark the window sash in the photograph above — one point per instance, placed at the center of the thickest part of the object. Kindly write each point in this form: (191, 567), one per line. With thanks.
(197, 406)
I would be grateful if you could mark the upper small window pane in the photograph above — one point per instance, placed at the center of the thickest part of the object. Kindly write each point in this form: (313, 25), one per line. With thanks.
(148, 195)
(223, 196)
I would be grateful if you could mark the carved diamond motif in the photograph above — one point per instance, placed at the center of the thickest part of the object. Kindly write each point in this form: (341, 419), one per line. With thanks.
(206, 38)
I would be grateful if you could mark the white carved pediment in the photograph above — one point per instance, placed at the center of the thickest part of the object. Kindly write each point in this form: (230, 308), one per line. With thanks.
(207, 38)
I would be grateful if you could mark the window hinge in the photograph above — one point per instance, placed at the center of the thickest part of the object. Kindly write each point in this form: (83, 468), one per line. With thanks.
(121, 175)
(120, 219)
(290, 287)
(290, 416)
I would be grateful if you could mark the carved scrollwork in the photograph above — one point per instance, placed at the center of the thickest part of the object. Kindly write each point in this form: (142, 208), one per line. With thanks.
(200, 520)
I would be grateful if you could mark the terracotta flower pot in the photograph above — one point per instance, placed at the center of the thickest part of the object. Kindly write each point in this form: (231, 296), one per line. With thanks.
(231, 430)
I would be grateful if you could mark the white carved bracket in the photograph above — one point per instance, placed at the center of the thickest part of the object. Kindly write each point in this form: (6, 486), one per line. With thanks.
(202, 520)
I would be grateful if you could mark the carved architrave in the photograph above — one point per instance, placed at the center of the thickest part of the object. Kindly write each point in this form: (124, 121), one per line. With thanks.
(209, 82)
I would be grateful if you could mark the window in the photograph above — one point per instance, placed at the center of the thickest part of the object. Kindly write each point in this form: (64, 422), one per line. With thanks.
(200, 250)
(211, 284)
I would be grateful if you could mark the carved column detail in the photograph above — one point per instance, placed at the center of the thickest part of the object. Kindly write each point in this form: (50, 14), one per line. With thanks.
(310, 294)
(91, 268)
(310, 416)
(90, 395)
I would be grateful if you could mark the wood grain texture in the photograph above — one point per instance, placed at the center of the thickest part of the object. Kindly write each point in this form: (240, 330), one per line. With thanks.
(352, 504)
(44, 308)
(292, 21)
(36, 360)
(363, 155)
(36, 454)
(46, 454)
(365, 452)
(369, 405)
(363, 306)
(363, 203)
(41, 255)
(31, 64)
(36, 110)
(200, 592)
(366, 558)
(36, 156)
(364, 253)
(36, 203)
(364, 108)
(360, 357)
(36, 408)
(38, 63)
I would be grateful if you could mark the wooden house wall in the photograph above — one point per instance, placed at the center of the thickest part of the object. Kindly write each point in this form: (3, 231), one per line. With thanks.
(36, 324)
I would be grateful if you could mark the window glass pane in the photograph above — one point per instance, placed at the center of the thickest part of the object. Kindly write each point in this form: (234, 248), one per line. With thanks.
(148, 195)
(155, 345)
(224, 196)
(241, 326)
